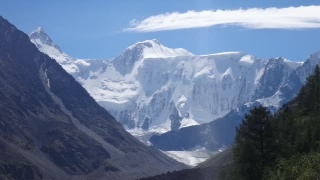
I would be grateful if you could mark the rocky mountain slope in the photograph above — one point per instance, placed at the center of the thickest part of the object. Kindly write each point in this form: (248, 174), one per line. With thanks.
(51, 128)
(153, 88)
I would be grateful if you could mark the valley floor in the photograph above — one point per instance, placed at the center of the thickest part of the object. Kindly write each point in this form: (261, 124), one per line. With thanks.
(192, 157)
(189, 157)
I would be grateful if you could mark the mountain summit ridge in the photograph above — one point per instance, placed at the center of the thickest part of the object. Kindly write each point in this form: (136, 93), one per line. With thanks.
(154, 49)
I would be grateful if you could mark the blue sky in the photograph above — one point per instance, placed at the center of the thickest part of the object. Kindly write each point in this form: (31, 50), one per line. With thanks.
(103, 29)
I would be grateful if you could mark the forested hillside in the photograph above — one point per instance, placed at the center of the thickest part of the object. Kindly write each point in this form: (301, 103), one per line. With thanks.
(283, 146)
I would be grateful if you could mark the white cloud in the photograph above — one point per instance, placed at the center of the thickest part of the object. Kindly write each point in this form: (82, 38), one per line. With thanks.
(253, 18)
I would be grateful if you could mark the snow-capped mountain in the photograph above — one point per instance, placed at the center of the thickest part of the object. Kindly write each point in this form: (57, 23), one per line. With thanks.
(220, 133)
(142, 50)
(75, 67)
(155, 88)
(47, 46)
(292, 83)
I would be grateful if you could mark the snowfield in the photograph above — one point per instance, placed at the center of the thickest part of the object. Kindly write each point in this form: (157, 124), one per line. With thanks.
(191, 157)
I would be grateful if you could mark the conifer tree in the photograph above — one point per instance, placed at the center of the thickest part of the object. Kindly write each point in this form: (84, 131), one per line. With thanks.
(307, 120)
(255, 144)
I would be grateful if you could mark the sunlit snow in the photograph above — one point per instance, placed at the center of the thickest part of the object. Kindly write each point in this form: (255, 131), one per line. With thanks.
(148, 83)
(191, 158)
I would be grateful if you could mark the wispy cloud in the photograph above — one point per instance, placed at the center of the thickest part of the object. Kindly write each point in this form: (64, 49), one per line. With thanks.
(253, 18)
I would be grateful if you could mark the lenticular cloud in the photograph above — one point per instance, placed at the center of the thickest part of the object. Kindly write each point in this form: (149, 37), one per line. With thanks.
(254, 18)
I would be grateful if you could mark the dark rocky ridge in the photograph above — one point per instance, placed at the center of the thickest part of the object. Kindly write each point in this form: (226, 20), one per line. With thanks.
(50, 127)
(213, 136)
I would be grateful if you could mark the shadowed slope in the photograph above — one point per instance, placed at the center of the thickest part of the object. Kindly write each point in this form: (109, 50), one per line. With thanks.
(54, 128)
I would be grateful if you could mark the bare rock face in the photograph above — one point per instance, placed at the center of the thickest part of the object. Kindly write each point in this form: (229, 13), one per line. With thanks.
(51, 128)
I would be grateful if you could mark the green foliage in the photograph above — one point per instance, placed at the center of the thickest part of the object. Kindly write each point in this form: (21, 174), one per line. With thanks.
(300, 167)
(255, 144)
(298, 124)
(309, 95)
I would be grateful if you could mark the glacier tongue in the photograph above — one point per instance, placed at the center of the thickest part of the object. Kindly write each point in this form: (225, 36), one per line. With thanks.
(153, 88)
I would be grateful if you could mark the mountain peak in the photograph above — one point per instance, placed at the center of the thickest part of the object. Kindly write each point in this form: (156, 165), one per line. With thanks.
(154, 49)
(39, 30)
(142, 50)
(45, 44)
(145, 44)
(40, 38)
(148, 43)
